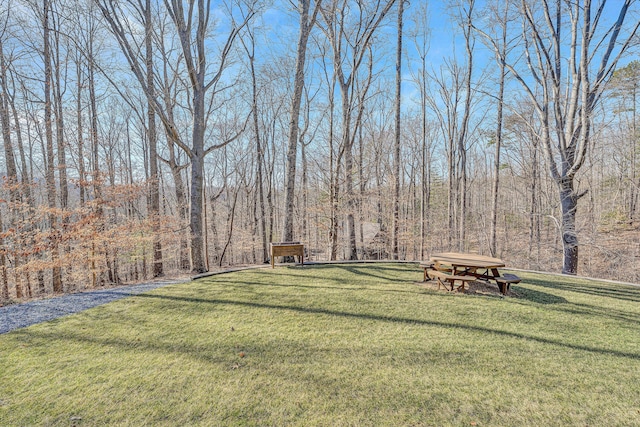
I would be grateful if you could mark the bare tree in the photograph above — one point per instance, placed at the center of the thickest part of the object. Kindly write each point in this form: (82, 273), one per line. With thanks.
(5, 117)
(152, 136)
(192, 26)
(421, 39)
(497, 12)
(50, 170)
(565, 92)
(396, 157)
(462, 140)
(11, 171)
(307, 21)
(250, 47)
(350, 47)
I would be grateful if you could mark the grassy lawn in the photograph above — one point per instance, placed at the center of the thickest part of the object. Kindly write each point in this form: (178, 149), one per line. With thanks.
(333, 345)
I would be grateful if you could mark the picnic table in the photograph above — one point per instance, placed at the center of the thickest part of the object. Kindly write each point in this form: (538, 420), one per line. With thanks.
(449, 267)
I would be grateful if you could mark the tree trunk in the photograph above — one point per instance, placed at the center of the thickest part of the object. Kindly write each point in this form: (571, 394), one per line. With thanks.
(464, 128)
(334, 172)
(305, 29)
(59, 116)
(347, 143)
(176, 170)
(259, 155)
(4, 279)
(305, 194)
(50, 170)
(396, 157)
(493, 246)
(534, 217)
(198, 264)
(5, 124)
(569, 204)
(154, 184)
(80, 131)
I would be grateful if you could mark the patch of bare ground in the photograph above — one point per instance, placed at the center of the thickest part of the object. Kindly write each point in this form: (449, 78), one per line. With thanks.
(478, 287)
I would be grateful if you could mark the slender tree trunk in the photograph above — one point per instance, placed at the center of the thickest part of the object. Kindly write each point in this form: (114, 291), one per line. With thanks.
(534, 217)
(95, 160)
(50, 170)
(334, 162)
(633, 197)
(260, 158)
(197, 167)
(24, 214)
(396, 157)
(305, 193)
(347, 143)
(306, 24)
(176, 170)
(11, 180)
(60, 139)
(361, 195)
(59, 116)
(4, 294)
(5, 124)
(81, 166)
(451, 193)
(24, 173)
(496, 169)
(462, 140)
(230, 221)
(154, 183)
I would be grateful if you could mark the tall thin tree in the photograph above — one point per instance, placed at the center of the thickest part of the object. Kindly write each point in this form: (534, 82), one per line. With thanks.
(307, 21)
(396, 157)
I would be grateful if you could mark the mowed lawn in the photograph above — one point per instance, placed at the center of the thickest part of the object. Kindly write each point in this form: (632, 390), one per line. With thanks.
(333, 345)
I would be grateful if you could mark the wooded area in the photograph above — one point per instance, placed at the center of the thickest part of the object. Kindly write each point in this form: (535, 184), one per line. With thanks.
(145, 138)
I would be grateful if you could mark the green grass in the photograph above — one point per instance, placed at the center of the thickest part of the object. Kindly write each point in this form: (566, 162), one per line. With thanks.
(355, 344)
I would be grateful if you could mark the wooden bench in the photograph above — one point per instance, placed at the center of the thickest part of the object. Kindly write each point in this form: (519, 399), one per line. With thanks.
(445, 279)
(504, 282)
(428, 266)
(287, 249)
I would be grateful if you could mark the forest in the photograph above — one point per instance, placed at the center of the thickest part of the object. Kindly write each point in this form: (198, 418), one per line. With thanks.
(148, 138)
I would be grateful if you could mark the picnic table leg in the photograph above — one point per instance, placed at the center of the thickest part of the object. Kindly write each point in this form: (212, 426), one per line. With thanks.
(501, 286)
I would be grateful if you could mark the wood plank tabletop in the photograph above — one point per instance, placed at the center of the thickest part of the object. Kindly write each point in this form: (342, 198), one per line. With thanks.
(467, 260)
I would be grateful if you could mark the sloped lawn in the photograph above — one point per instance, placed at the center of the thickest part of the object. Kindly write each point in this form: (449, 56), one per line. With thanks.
(353, 344)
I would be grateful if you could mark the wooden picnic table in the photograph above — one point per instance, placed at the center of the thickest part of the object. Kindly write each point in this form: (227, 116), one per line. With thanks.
(448, 267)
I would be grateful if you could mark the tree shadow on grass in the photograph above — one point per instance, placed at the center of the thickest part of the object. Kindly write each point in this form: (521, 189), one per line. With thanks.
(582, 309)
(358, 288)
(595, 311)
(396, 319)
(295, 275)
(538, 296)
(365, 270)
(360, 269)
(601, 289)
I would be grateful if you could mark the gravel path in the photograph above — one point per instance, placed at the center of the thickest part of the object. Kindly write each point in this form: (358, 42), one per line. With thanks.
(29, 313)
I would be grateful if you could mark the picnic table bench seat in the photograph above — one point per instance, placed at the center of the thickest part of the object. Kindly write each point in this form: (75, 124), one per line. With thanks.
(429, 266)
(447, 280)
(504, 282)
